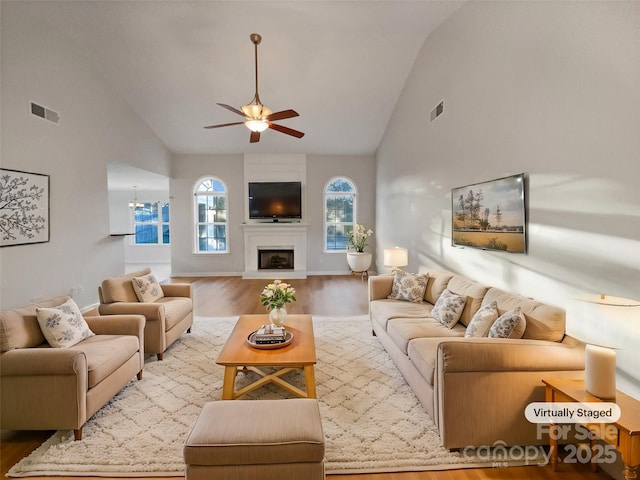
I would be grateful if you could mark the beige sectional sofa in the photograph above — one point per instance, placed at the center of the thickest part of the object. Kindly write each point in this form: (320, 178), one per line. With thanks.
(475, 389)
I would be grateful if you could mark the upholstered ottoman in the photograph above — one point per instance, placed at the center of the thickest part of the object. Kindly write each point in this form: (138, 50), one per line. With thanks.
(256, 440)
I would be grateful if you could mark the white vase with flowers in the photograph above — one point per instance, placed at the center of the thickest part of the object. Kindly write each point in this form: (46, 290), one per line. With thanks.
(274, 297)
(359, 261)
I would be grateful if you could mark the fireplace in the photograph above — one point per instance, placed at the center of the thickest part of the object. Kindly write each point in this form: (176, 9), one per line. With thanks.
(279, 239)
(275, 259)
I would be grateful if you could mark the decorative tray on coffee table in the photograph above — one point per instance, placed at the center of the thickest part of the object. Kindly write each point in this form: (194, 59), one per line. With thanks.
(269, 346)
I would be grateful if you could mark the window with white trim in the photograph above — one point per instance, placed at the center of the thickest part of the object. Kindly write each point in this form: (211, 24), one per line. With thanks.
(339, 213)
(151, 223)
(210, 205)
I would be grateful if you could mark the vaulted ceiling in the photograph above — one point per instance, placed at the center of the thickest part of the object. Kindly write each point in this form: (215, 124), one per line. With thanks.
(340, 64)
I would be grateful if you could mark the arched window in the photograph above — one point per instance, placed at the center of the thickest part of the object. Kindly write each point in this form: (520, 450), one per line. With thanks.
(339, 213)
(210, 206)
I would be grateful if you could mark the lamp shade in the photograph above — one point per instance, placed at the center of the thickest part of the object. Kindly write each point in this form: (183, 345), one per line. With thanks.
(396, 257)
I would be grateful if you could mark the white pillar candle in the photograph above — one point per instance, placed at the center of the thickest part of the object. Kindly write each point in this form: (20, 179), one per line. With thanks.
(600, 371)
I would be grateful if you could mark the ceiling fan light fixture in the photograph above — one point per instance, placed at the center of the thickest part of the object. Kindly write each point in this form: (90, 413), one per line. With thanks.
(257, 125)
(255, 111)
(257, 117)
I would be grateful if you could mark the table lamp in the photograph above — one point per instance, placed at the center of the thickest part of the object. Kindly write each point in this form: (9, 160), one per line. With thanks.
(395, 258)
(600, 355)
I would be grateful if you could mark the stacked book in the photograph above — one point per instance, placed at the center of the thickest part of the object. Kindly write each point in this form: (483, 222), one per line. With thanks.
(268, 334)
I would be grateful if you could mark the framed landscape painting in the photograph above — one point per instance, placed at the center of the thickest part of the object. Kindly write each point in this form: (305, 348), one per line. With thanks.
(24, 207)
(490, 215)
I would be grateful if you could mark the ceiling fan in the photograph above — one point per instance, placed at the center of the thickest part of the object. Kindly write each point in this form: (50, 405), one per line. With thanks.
(258, 117)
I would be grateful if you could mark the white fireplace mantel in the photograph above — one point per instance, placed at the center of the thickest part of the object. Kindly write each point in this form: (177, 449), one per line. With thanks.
(275, 235)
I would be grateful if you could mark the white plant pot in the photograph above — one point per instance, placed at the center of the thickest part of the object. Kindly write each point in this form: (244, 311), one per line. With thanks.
(359, 261)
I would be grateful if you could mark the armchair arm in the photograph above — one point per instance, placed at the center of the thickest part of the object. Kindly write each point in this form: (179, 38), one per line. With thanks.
(117, 325)
(43, 361)
(380, 287)
(176, 289)
(151, 311)
(43, 389)
(500, 377)
(505, 355)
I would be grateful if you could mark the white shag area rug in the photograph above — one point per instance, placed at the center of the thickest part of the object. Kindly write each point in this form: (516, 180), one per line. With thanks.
(372, 421)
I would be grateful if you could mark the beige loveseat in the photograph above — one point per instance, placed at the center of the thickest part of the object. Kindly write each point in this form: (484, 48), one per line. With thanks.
(167, 317)
(45, 388)
(475, 389)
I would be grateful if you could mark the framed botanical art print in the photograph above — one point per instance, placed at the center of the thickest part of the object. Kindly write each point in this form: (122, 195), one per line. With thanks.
(490, 215)
(24, 207)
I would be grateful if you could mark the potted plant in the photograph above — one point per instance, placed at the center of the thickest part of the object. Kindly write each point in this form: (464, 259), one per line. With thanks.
(359, 261)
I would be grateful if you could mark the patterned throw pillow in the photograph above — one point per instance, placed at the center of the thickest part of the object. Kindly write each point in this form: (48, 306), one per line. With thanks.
(147, 288)
(63, 326)
(448, 308)
(483, 319)
(510, 324)
(409, 287)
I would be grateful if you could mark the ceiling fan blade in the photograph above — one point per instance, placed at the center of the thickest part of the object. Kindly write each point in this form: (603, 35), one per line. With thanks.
(288, 131)
(224, 125)
(255, 137)
(282, 115)
(229, 107)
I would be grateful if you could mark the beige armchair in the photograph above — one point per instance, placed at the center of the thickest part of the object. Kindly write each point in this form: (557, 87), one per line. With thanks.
(45, 388)
(167, 317)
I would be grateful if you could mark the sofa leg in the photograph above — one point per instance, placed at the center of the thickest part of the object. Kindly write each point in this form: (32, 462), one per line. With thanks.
(77, 434)
(139, 375)
(373, 333)
(159, 355)
(189, 330)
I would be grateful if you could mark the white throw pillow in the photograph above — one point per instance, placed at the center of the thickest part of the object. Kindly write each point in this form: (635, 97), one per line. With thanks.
(510, 324)
(409, 287)
(483, 319)
(448, 308)
(63, 326)
(147, 288)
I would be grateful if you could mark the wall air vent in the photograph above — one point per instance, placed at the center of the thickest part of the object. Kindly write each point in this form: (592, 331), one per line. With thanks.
(43, 112)
(436, 112)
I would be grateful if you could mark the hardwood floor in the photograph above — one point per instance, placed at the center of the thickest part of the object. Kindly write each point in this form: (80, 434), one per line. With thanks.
(319, 295)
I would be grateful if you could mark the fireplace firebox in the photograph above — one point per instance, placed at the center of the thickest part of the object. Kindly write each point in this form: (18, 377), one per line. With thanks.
(275, 259)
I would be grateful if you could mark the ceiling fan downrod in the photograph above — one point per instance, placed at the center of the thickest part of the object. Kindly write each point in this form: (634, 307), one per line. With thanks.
(256, 39)
(255, 109)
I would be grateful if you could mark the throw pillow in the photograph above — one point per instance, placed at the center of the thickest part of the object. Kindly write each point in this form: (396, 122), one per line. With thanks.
(63, 326)
(147, 288)
(510, 324)
(483, 319)
(409, 287)
(448, 308)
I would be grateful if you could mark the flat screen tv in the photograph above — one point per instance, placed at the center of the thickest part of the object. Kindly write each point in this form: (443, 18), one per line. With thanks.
(275, 200)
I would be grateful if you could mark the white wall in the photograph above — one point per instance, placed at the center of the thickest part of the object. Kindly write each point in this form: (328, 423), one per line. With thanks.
(187, 169)
(548, 88)
(96, 127)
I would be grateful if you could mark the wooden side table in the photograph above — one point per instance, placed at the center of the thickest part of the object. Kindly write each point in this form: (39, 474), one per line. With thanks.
(626, 437)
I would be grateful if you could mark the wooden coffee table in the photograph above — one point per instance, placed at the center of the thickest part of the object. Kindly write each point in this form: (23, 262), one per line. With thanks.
(237, 355)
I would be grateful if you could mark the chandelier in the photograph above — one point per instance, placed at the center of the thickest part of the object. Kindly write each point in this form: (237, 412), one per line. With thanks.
(135, 203)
